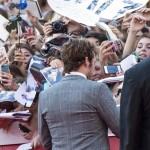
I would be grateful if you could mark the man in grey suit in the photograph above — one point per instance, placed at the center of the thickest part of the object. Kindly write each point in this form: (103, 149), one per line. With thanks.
(75, 113)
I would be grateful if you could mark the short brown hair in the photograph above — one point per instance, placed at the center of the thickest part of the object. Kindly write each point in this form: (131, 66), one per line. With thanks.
(74, 53)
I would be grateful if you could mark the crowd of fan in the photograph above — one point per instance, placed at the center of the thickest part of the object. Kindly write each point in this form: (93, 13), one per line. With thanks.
(45, 38)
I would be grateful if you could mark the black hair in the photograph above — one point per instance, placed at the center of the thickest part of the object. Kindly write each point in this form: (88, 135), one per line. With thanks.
(100, 36)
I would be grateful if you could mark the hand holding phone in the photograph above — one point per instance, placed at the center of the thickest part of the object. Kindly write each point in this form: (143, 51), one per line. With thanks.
(6, 78)
(47, 28)
(106, 53)
(117, 46)
(29, 32)
(5, 68)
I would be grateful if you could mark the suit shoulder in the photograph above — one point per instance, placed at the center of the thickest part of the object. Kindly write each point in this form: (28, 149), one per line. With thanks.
(97, 85)
(139, 69)
(47, 91)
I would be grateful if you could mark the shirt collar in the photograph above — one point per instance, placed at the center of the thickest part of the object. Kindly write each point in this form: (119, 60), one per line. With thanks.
(76, 73)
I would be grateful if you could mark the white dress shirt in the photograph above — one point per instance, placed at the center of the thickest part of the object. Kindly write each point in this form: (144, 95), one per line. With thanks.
(76, 73)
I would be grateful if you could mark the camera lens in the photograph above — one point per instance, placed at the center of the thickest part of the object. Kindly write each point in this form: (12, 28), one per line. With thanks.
(59, 27)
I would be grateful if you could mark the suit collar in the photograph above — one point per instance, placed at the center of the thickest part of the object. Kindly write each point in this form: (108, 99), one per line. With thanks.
(73, 77)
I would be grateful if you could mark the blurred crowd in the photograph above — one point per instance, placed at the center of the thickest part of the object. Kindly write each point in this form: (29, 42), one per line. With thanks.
(35, 44)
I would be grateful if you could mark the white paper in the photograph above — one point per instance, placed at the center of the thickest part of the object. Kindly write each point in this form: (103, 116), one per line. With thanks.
(3, 32)
(7, 96)
(110, 133)
(128, 62)
(89, 12)
(74, 11)
(25, 96)
(25, 147)
(112, 79)
(106, 28)
(12, 136)
(27, 91)
(20, 115)
(1, 43)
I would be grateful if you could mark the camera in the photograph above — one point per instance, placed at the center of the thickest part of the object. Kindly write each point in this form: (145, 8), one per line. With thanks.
(59, 27)
(50, 50)
(53, 47)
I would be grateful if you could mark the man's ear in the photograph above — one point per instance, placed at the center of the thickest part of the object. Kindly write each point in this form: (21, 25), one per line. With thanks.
(87, 63)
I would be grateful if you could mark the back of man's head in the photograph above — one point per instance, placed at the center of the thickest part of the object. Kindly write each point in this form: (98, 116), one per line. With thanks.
(74, 53)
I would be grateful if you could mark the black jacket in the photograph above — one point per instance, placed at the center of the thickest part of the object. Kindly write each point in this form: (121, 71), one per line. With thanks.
(135, 108)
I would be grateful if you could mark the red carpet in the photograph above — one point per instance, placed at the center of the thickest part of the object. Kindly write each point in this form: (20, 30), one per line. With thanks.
(114, 143)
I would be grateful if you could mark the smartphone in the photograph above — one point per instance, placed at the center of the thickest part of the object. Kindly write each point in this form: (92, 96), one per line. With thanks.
(29, 31)
(5, 68)
(12, 25)
(117, 46)
(112, 69)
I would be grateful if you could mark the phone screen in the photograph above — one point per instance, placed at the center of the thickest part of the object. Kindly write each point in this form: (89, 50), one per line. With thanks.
(112, 69)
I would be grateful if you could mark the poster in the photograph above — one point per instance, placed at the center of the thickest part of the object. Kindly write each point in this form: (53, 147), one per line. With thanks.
(3, 32)
(89, 12)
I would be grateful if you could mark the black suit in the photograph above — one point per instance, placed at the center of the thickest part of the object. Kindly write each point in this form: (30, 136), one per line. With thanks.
(135, 108)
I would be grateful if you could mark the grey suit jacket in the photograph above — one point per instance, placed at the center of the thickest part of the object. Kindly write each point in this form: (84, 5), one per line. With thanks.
(75, 114)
